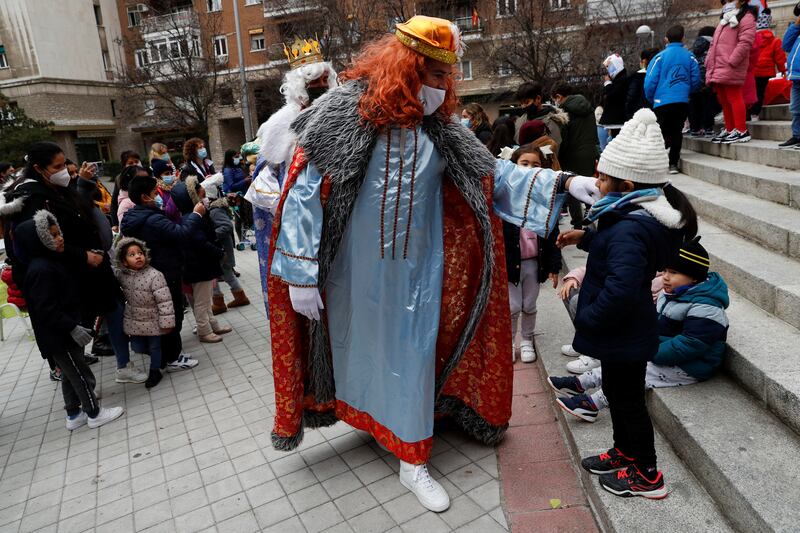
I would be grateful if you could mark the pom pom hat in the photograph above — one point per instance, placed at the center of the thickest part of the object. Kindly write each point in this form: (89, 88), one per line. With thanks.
(433, 37)
(637, 153)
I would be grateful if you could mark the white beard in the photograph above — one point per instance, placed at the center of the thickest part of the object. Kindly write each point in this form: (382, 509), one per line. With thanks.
(277, 142)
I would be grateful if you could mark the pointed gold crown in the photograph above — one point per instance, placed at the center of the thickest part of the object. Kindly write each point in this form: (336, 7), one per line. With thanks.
(303, 52)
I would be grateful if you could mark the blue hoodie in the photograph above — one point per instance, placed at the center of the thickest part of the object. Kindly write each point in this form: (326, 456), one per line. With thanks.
(672, 75)
(693, 327)
(791, 45)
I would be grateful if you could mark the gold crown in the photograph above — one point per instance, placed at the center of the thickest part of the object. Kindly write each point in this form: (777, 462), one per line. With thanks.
(303, 52)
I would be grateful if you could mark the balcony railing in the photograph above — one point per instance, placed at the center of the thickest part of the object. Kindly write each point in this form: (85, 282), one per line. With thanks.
(466, 26)
(179, 21)
(282, 8)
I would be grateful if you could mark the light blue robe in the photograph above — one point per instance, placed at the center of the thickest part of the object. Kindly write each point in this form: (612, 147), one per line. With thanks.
(383, 294)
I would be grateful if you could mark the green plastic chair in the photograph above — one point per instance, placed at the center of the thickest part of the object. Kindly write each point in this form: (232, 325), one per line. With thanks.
(9, 310)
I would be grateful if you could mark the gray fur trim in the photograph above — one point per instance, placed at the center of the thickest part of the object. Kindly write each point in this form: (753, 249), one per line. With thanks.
(192, 182)
(287, 444)
(9, 206)
(470, 421)
(340, 144)
(42, 220)
(123, 242)
(311, 420)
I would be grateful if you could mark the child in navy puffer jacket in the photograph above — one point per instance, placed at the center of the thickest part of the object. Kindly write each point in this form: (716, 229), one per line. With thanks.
(692, 328)
(640, 219)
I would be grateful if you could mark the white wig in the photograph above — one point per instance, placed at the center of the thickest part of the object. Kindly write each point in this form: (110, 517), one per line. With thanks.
(294, 84)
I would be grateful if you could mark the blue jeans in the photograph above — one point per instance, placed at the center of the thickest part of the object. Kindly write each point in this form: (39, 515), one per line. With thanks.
(603, 137)
(794, 108)
(116, 334)
(151, 345)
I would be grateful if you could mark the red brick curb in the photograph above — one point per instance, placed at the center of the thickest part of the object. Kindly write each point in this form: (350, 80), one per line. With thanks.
(535, 465)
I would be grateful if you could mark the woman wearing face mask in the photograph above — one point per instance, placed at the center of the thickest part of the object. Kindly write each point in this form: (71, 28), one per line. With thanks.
(197, 162)
(165, 174)
(474, 117)
(234, 178)
(44, 184)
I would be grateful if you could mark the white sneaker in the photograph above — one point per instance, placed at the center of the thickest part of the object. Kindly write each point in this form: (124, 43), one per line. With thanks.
(583, 364)
(527, 353)
(184, 362)
(428, 491)
(569, 351)
(106, 415)
(130, 374)
(78, 421)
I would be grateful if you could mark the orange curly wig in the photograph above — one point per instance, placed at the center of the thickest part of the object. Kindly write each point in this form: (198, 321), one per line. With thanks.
(393, 73)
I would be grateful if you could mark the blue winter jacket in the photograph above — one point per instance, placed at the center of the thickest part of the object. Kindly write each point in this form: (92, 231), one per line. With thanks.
(672, 76)
(791, 46)
(693, 327)
(234, 180)
(616, 319)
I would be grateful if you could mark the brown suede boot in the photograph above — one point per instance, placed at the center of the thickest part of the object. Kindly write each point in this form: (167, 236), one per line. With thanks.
(239, 299)
(218, 304)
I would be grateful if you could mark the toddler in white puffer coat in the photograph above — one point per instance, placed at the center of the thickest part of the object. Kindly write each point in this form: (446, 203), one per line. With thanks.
(149, 312)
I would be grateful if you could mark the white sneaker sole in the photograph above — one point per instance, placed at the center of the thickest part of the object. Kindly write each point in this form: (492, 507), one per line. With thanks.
(576, 413)
(121, 412)
(427, 505)
(130, 380)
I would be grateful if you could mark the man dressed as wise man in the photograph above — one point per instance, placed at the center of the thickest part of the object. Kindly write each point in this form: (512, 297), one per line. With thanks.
(388, 295)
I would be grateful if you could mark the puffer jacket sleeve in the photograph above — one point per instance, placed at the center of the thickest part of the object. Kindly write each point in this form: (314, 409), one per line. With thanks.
(704, 326)
(166, 311)
(744, 41)
(779, 56)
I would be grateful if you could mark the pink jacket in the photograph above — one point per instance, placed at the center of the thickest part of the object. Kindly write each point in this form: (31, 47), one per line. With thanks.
(125, 204)
(729, 55)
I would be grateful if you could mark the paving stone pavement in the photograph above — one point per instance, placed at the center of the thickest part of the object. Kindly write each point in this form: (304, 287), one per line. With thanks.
(193, 454)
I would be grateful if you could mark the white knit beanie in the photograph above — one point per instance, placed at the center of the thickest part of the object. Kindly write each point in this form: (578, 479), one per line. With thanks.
(637, 153)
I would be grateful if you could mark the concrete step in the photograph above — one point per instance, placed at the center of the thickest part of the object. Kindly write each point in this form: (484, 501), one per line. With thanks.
(728, 438)
(769, 280)
(768, 183)
(776, 112)
(687, 508)
(770, 130)
(744, 457)
(756, 151)
(768, 224)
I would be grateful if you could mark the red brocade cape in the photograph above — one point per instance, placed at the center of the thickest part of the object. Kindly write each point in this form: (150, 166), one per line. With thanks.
(477, 393)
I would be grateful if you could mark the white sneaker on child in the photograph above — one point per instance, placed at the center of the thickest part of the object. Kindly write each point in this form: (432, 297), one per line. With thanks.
(583, 364)
(569, 351)
(428, 491)
(184, 362)
(130, 374)
(106, 415)
(527, 353)
(79, 421)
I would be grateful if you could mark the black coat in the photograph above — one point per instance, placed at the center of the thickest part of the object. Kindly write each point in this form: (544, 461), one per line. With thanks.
(635, 100)
(548, 260)
(54, 304)
(165, 239)
(614, 95)
(483, 133)
(100, 292)
(578, 150)
(616, 319)
(203, 252)
(189, 169)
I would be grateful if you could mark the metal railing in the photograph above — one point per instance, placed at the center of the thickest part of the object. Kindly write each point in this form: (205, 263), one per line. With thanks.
(466, 26)
(282, 8)
(169, 22)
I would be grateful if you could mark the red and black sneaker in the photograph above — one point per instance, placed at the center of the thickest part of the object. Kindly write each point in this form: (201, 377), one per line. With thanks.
(607, 462)
(631, 482)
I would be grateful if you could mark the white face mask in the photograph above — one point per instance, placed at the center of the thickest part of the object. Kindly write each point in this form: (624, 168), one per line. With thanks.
(60, 178)
(431, 98)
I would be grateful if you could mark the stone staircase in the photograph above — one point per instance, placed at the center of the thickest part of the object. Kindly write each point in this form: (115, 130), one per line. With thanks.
(729, 447)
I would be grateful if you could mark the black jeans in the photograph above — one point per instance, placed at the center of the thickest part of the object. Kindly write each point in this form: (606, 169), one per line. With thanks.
(761, 87)
(703, 107)
(623, 385)
(171, 345)
(671, 118)
(77, 382)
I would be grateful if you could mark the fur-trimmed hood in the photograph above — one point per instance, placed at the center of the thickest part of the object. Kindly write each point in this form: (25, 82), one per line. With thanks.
(33, 235)
(123, 243)
(663, 211)
(12, 199)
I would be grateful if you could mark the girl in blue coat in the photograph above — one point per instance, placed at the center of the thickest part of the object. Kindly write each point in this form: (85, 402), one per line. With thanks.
(640, 218)
(692, 329)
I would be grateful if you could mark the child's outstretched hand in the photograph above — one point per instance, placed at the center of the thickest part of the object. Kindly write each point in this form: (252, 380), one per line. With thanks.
(568, 285)
(570, 238)
(554, 278)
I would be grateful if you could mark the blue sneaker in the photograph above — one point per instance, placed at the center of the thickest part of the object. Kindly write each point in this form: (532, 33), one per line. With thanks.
(581, 406)
(569, 385)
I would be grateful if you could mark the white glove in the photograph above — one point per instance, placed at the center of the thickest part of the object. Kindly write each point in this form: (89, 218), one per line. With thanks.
(306, 301)
(584, 189)
(81, 335)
